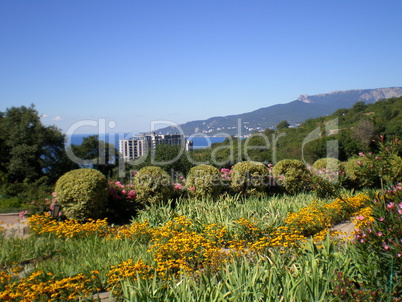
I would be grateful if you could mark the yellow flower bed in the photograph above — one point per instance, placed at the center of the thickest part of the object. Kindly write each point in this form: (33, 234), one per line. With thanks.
(42, 224)
(33, 288)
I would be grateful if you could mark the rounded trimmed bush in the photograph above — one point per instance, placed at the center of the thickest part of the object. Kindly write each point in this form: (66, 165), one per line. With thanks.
(204, 180)
(293, 175)
(152, 185)
(249, 177)
(329, 165)
(82, 193)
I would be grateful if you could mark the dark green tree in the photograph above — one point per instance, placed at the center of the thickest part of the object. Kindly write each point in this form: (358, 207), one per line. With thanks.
(97, 154)
(28, 149)
(282, 125)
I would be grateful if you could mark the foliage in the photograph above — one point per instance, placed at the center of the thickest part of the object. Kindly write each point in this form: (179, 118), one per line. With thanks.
(377, 242)
(203, 181)
(282, 125)
(122, 204)
(382, 168)
(97, 154)
(171, 158)
(245, 249)
(82, 193)
(293, 175)
(153, 185)
(328, 177)
(28, 149)
(355, 129)
(249, 177)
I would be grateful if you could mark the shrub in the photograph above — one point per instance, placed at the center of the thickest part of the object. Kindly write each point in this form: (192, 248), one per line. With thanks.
(122, 205)
(359, 173)
(204, 180)
(329, 164)
(377, 244)
(328, 177)
(82, 194)
(152, 185)
(249, 177)
(293, 175)
(383, 168)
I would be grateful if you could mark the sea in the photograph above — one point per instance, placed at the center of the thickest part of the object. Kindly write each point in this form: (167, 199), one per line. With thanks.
(199, 142)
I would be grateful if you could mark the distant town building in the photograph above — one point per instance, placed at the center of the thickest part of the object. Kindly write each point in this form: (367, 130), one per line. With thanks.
(139, 145)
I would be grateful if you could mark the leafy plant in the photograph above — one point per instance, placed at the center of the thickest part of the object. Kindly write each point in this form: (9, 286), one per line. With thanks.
(203, 181)
(152, 185)
(82, 193)
(293, 175)
(250, 177)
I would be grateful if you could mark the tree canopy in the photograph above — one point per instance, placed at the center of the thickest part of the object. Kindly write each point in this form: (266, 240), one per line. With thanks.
(28, 149)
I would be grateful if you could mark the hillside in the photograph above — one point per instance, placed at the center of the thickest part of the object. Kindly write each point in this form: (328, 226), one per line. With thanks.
(351, 129)
(295, 112)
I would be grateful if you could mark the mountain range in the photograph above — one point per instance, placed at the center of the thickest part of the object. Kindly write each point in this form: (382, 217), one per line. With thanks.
(295, 112)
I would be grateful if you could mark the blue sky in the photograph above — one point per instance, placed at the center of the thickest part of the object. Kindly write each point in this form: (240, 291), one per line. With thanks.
(133, 62)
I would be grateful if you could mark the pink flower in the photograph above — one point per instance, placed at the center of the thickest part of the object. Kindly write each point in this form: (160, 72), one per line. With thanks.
(382, 219)
(54, 194)
(391, 205)
(191, 188)
(379, 234)
(360, 217)
(124, 192)
(361, 154)
(178, 186)
(399, 254)
(359, 162)
(385, 246)
(361, 240)
(131, 194)
(23, 214)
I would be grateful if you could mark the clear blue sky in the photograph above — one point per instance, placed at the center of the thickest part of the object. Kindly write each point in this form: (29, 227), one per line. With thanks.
(135, 61)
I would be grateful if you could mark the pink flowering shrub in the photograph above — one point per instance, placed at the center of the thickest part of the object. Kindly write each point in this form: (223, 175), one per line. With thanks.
(380, 169)
(179, 187)
(378, 241)
(122, 203)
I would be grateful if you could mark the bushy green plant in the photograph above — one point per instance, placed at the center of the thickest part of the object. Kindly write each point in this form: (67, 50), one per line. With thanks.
(152, 185)
(293, 175)
(249, 177)
(82, 193)
(383, 168)
(359, 173)
(377, 242)
(204, 180)
(328, 176)
(331, 165)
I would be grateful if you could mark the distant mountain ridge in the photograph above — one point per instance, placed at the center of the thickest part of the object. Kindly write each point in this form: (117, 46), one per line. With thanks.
(295, 112)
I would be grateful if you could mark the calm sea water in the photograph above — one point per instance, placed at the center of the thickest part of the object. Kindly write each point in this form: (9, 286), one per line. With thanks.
(113, 138)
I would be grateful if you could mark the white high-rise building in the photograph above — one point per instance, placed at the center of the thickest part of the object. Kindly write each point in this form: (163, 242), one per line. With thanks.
(137, 146)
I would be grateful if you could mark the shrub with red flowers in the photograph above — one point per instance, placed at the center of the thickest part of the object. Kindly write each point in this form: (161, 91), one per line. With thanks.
(122, 203)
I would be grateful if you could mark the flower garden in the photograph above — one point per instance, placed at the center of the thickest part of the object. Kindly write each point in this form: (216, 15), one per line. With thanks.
(218, 235)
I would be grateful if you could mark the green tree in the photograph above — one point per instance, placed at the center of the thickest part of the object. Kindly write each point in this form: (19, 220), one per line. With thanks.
(97, 154)
(282, 125)
(28, 149)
